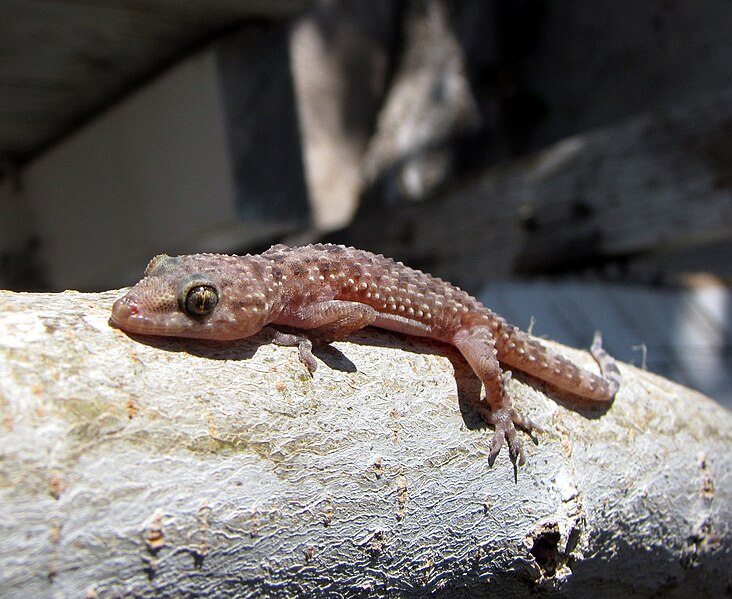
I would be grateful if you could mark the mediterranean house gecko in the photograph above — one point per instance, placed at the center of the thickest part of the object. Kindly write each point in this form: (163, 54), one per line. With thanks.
(329, 291)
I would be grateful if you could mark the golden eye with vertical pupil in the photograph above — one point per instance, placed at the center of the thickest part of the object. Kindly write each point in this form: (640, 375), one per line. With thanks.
(200, 300)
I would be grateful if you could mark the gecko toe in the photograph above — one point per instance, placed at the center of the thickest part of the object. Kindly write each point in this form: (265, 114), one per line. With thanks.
(515, 448)
(497, 441)
(525, 423)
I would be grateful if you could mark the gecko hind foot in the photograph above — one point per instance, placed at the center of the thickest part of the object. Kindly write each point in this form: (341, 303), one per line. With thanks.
(505, 421)
(608, 366)
(506, 434)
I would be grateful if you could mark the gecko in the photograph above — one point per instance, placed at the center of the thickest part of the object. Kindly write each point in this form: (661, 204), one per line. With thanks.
(324, 292)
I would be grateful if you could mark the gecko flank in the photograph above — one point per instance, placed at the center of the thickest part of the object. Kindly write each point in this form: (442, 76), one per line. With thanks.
(329, 291)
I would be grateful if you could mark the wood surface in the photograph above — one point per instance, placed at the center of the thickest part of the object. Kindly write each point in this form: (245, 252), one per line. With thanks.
(634, 197)
(176, 468)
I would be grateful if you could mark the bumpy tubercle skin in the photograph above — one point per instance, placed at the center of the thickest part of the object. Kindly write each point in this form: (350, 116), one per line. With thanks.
(329, 291)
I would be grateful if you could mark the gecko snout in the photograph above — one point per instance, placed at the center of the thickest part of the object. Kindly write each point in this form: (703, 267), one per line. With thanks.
(124, 309)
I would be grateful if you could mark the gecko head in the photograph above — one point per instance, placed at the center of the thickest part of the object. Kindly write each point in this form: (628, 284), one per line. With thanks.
(189, 296)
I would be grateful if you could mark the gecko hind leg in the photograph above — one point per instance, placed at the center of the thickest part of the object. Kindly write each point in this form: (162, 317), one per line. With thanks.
(479, 349)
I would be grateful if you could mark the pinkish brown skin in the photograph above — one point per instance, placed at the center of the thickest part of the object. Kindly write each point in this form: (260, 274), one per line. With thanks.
(331, 291)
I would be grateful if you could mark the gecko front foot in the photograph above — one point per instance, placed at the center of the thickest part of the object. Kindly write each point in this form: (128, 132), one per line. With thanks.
(303, 343)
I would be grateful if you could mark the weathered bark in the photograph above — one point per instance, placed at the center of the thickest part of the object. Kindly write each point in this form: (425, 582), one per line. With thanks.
(179, 468)
(644, 191)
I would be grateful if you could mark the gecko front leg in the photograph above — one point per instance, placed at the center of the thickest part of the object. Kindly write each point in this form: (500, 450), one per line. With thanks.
(324, 322)
(303, 343)
(479, 348)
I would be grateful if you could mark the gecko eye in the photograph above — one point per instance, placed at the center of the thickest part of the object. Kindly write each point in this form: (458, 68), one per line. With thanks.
(200, 300)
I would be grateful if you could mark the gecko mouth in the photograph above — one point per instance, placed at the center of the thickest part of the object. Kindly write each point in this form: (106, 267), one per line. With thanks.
(126, 315)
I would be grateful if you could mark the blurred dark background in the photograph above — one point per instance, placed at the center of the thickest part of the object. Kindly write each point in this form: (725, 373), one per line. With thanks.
(569, 163)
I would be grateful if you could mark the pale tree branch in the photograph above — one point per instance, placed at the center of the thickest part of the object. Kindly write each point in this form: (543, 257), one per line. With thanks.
(179, 468)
